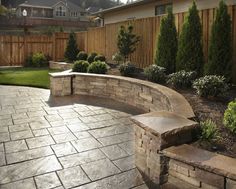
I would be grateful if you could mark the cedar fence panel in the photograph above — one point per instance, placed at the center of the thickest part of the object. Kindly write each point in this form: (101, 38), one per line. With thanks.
(14, 49)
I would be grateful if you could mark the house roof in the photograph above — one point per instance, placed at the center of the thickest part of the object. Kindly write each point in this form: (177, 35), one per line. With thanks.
(124, 6)
(51, 4)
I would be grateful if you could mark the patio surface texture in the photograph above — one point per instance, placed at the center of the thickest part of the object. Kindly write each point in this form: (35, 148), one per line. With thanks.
(66, 142)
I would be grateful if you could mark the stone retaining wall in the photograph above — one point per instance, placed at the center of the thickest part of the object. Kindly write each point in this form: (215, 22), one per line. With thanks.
(141, 94)
(200, 168)
(60, 65)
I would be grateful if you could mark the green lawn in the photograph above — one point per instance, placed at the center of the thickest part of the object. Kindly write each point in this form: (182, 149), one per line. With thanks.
(35, 77)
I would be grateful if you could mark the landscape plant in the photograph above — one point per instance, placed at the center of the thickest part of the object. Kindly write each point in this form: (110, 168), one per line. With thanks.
(181, 79)
(71, 48)
(211, 86)
(209, 131)
(167, 44)
(91, 57)
(82, 56)
(155, 73)
(220, 48)
(190, 51)
(38, 60)
(127, 41)
(80, 66)
(100, 57)
(117, 57)
(127, 69)
(98, 67)
(230, 117)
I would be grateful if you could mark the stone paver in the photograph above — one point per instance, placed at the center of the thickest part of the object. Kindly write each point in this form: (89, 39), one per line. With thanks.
(48, 143)
(73, 177)
(47, 181)
(100, 169)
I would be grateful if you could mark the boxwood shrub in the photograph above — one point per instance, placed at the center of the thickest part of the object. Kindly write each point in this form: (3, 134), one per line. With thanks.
(155, 73)
(82, 55)
(100, 58)
(98, 67)
(80, 66)
(211, 86)
(91, 57)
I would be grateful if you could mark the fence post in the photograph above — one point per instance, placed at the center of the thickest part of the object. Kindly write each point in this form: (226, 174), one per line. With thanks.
(54, 46)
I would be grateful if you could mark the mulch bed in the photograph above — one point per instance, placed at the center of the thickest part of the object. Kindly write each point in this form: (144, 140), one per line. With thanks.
(207, 109)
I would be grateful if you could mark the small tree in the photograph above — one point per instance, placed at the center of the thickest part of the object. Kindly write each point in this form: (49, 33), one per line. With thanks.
(220, 48)
(190, 52)
(167, 44)
(127, 41)
(71, 49)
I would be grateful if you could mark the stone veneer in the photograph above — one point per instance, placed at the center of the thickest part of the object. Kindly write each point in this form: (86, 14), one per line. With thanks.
(60, 65)
(141, 94)
(200, 168)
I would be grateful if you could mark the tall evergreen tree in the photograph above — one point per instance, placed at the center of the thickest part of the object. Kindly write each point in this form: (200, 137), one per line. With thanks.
(190, 52)
(167, 44)
(220, 48)
(71, 49)
(127, 41)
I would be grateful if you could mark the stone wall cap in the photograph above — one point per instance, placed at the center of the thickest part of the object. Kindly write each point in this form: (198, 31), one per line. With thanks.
(62, 63)
(209, 161)
(163, 123)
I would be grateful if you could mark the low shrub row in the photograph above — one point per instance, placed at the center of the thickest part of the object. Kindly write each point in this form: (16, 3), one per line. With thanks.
(84, 66)
(93, 57)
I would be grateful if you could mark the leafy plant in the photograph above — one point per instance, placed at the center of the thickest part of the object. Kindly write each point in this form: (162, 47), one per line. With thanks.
(181, 79)
(209, 131)
(98, 67)
(127, 69)
(220, 48)
(155, 73)
(127, 41)
(71, 49)
(210, 85)
(101, 58)
(80, 66)
(91, 57)
(82, 55)
(230, 117)
(118, 58)
(190, 52)
(38, 60)
(167, 44)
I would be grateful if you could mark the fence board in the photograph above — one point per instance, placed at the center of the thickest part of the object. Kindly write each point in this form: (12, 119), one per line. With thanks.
(14, 49)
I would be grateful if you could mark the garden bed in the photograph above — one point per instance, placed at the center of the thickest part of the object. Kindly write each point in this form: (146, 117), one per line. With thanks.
(204, 109)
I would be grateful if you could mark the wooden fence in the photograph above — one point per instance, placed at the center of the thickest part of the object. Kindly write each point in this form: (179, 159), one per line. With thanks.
(13, 49)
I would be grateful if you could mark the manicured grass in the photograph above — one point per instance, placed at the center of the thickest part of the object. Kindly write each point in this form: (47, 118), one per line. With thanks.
(34, 77)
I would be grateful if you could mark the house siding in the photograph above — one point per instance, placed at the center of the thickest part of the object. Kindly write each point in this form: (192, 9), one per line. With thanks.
(148, 10)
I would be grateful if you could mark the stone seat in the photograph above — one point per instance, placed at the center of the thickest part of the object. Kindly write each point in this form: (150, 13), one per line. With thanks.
(170, 128)
(154, 132)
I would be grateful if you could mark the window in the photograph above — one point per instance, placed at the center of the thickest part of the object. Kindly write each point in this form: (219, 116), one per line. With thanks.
(60, 11)
(162, 9)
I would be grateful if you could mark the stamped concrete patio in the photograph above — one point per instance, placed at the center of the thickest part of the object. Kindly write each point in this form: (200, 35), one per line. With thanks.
(68, 142)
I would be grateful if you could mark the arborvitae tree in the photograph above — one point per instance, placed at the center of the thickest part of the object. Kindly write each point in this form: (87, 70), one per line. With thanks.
(220, 48)
(190, 52)
(71, 49)
(127, 41)
(167, 44)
